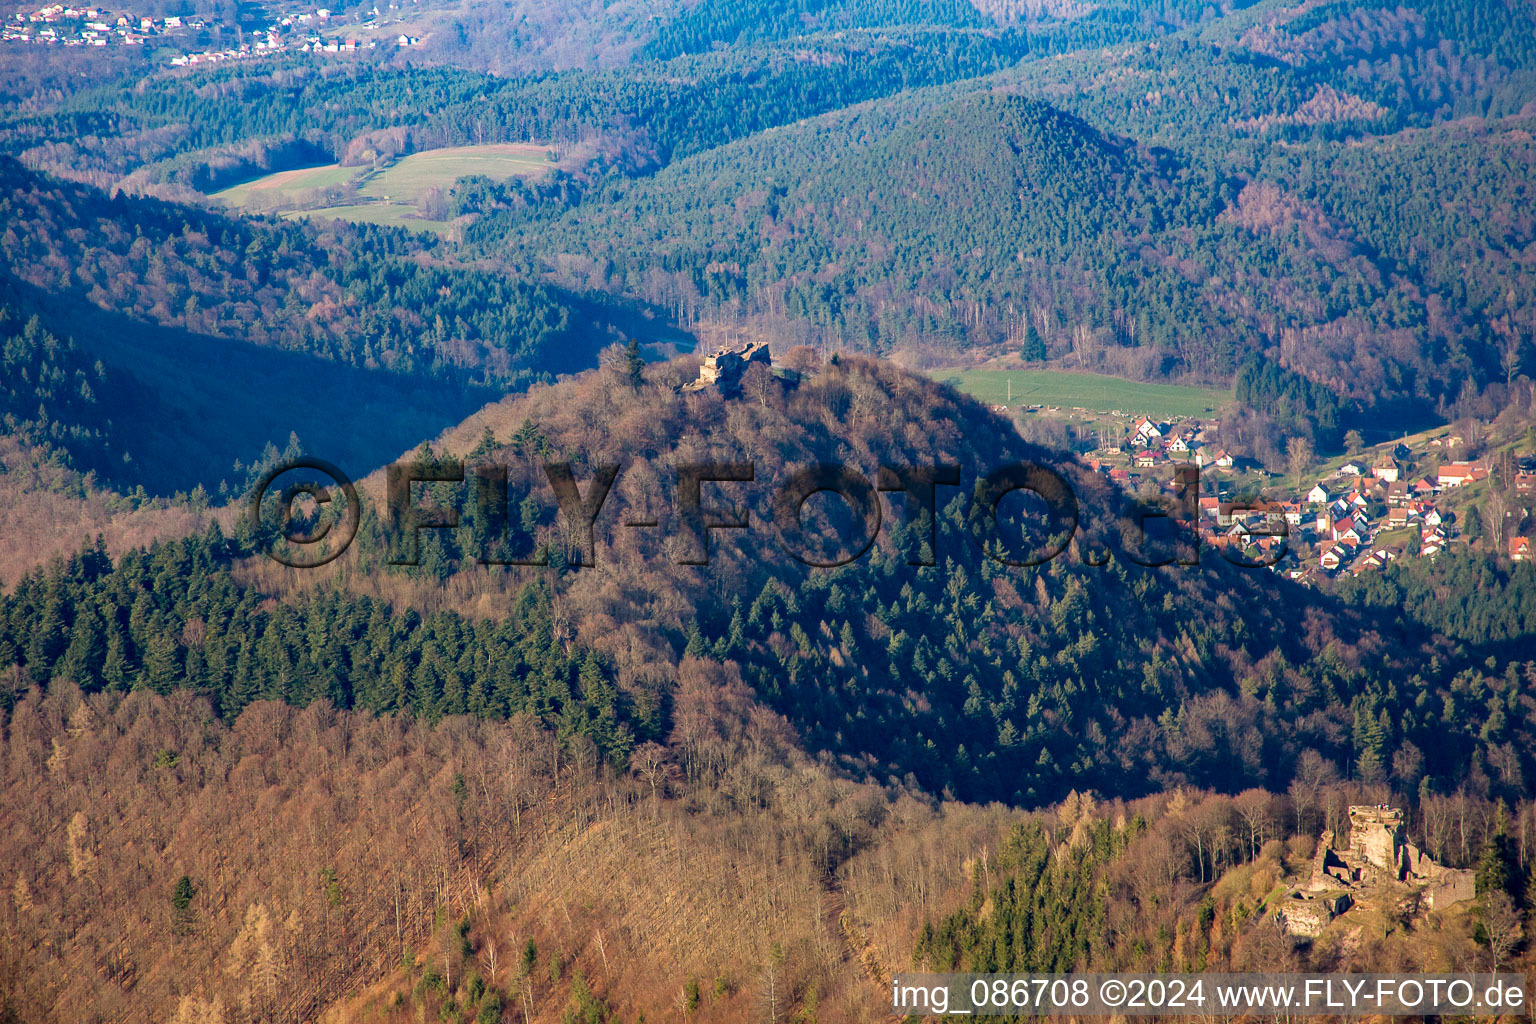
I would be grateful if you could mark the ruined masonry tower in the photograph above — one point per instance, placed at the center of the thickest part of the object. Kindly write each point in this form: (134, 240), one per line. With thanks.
(1379, 865)
(724, 368)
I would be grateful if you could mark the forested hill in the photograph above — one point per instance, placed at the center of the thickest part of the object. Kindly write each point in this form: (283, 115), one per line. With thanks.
(365, 296)
(202, 338)
(745, 759)
(959, 223)
(987, 680)
(996, 682)
(1235, 87)
(638, 117)
(1206, 183)
(968, 677)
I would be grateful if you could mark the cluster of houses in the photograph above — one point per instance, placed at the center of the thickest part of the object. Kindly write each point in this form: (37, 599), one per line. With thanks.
(1155, 446)
(1363, 517)
(58, 24)
(1159, 444)
(1346, 538)
(241, 52)
(61, 25)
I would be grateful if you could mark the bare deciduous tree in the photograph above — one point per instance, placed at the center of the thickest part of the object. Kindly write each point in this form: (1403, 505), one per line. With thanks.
(488, 959)
(1298, 453)
(1501, 927)
(759, 384)
(650, 762)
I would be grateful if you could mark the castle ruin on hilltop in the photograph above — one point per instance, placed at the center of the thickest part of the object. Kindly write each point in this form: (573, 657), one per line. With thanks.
(1379, 865)
(724, 368)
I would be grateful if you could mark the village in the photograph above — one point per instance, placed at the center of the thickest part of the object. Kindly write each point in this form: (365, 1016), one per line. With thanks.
(1396, 501)
(187, 38)
(1410, 498)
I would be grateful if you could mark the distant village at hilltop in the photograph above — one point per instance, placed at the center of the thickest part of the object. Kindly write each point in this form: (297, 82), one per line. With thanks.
(200, 39)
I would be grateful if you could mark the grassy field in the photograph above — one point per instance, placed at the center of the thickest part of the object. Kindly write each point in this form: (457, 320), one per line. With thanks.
(1091, 391)
(287, 183)
(396, 214)
(1389, 538)
(406, 179)
(389, 195)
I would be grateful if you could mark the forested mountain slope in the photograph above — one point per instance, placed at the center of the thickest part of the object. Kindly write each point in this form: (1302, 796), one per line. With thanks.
(716, 686)
(1231, 88)
(344, 866)
(1291, 218)
(991, 681)
(213, 336)
(620, 785)
(995, 681)
(54, 395)
(362, 296)
(639, 116)
(1205, 185)
(522, 37)
(958, 224)
(471, 869)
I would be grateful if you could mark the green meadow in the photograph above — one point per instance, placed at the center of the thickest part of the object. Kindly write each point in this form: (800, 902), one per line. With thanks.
(405, 180)
(387, 195)
(1091, 391)
(287, 184)
(396, 214)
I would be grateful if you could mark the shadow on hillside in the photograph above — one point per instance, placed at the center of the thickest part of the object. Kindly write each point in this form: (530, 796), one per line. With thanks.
(194, 404)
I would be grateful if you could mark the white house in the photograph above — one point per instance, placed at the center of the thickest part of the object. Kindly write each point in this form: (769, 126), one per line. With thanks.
(1346, 530)
(1318, 495)
(1458, 473)
(1145, 432)
(1370, 561)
